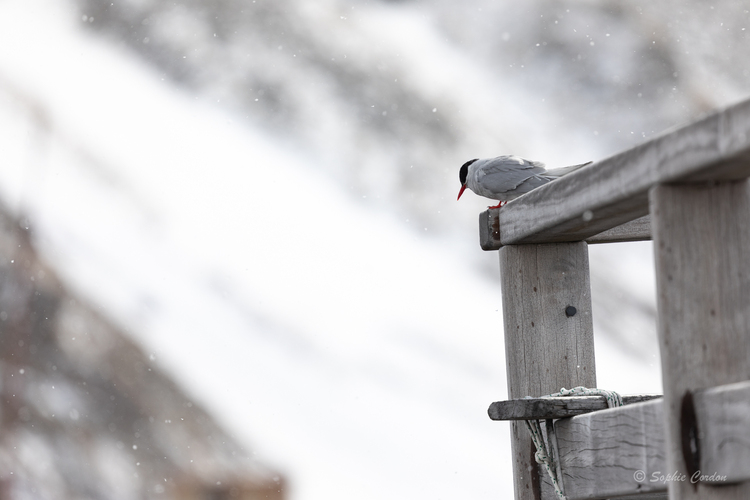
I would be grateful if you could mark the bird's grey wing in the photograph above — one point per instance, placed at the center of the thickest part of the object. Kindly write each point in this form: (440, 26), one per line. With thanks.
(505, 173)
(527, 185)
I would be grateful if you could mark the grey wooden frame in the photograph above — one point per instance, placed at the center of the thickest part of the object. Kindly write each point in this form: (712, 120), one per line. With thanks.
(688, 191)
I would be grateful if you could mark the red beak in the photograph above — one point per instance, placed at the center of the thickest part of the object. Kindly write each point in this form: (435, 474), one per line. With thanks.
(461, 192)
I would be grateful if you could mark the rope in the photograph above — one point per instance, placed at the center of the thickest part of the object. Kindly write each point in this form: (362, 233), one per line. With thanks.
(613, 399)
(544, 456)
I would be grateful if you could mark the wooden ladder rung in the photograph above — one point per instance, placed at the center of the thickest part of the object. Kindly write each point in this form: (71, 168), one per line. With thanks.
(557, 407)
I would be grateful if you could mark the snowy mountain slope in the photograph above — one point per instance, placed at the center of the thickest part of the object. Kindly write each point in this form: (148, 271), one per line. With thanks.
(353, 351)
(616, 72)
(386, 93)
(87, 414)
(354, 84)
(368, 90)
(283, 319)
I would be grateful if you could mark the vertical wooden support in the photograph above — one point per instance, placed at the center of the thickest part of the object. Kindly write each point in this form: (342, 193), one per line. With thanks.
(549, 342)
(702, 253)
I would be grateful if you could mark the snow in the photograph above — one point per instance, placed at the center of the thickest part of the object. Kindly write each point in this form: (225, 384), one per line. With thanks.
(350, 351)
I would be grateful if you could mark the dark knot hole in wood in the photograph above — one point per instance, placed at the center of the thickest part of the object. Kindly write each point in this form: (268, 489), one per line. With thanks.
(689, 434)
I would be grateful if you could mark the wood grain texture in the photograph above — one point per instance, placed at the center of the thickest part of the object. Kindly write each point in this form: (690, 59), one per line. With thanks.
(723, 417)
(489, 230)
(544, 408)
(545, 350)
(635, 230)
(661, 495)
(702, 256)
(614, 191)
(601, 453)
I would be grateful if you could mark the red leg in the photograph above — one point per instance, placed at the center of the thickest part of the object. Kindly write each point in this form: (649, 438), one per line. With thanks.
(499, 204)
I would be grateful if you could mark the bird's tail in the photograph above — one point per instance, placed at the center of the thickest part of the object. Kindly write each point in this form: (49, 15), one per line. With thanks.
(559, 172)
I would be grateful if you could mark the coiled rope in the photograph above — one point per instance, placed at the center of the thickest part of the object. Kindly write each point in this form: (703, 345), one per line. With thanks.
(544, 455)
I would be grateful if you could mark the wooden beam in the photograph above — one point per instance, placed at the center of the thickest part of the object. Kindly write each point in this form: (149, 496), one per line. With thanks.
(622, 451)
(614, 191)
(544, 408)
(723, 417)
(613, 453)
(601, 453)
(701, 247)
(635, 230)
(545, 348)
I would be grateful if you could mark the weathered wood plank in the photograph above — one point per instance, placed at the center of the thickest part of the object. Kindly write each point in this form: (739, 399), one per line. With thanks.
(635, 230)
(489, 230)
(723, 417)
(544, 408)
(612, 453)
(545, 349)
(614, 191)
(661, 495)
(622, 451)
(702, 256)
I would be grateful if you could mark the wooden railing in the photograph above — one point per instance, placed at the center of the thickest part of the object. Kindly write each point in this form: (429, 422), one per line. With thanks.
(688, 191)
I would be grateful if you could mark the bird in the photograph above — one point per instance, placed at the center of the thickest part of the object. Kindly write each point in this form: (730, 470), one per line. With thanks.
(506, 177)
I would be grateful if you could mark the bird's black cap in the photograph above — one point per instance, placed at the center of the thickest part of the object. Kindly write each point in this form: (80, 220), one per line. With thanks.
(465, 171)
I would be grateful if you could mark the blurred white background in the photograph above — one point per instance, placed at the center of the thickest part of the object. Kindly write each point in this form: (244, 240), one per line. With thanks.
(262, 193)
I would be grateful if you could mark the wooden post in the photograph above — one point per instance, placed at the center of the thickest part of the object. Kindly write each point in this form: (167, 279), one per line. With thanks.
(702, 253)
(549, 342)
